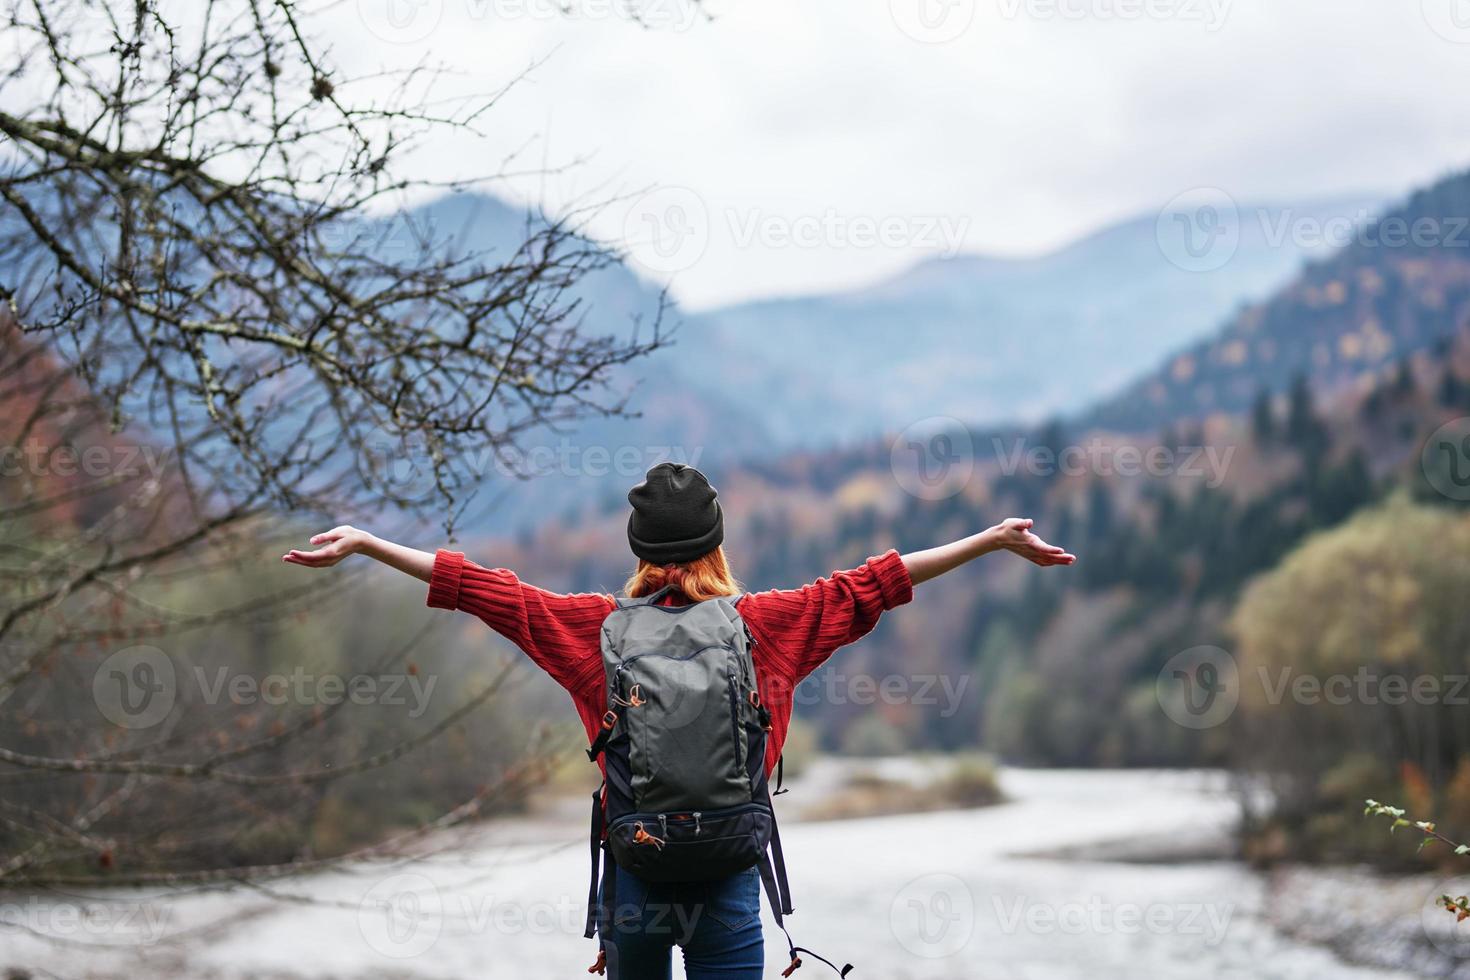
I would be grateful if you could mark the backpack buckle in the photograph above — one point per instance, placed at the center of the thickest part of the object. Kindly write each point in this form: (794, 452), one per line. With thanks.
(609, 719)
(755, 699)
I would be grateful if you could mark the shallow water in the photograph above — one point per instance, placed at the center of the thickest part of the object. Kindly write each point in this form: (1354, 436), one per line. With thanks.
(938, 895)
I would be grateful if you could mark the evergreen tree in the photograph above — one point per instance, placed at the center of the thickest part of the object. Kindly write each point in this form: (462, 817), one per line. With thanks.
(1304, 431)
(1099, 511)
(1263, 420)
(1451, 391)
(1403, 380)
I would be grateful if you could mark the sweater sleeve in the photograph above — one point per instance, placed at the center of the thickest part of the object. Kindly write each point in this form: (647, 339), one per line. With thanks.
(558, 632)
(805, 625)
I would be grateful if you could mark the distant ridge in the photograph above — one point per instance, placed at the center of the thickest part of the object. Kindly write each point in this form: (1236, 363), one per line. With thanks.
(985, 339)
(1388, 295)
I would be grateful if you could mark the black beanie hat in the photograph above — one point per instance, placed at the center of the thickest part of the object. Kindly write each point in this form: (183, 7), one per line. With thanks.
(676, 517)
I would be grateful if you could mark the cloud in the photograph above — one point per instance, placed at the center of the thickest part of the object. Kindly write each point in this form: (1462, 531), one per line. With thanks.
(1039, 120)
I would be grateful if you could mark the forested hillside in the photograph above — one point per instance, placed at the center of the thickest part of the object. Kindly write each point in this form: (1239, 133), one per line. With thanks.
(1399, 288)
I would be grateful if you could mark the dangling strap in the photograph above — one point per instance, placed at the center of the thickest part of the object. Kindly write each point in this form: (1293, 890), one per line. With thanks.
(780, 774)
(596, 841)
(778, 894)
(768, 879)
(778, 878)
(841, 971)
(609, 893)
(773, 890)
(600, 907)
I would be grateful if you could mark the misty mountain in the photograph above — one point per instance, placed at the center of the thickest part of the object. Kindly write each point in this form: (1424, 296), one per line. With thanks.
(982, 339)
(992, 340)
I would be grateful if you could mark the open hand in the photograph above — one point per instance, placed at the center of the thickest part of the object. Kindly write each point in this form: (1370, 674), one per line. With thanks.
(1014, 534)
(333, 546)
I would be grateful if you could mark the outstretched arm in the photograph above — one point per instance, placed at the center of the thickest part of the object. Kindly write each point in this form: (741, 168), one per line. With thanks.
(1012, 534)
(339, 542)
(559, 632)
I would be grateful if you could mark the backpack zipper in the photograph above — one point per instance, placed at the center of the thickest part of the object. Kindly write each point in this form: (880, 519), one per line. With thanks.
(685, 816)
(735, 721)
(639, 656)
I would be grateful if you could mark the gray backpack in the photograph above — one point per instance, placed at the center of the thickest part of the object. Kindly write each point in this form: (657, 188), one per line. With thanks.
(683, 740)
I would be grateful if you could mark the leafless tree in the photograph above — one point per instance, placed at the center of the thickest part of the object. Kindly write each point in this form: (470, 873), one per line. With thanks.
(198, 301)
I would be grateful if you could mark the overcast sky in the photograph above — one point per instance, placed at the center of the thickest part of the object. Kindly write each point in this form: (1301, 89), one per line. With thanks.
(793, 146)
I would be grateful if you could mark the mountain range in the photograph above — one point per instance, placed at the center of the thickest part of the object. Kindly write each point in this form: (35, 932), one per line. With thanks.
(990, 340)
(984, 339)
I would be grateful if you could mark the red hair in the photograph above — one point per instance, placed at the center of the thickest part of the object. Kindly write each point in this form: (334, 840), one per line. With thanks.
(703, 578)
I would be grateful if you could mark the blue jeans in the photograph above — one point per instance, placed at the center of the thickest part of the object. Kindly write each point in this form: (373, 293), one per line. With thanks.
(716, 923)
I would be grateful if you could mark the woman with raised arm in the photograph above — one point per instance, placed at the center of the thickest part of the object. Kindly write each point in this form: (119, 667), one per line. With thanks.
(676, 530)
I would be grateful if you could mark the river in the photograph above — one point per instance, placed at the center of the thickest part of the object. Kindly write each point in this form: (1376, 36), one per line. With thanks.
(1022, 891)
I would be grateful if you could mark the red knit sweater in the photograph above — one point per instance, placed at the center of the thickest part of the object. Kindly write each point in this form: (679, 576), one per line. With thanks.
(795, 629)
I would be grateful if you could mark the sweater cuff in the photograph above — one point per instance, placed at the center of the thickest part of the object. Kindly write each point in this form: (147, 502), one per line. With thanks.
(893, 578)
(444, 582)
